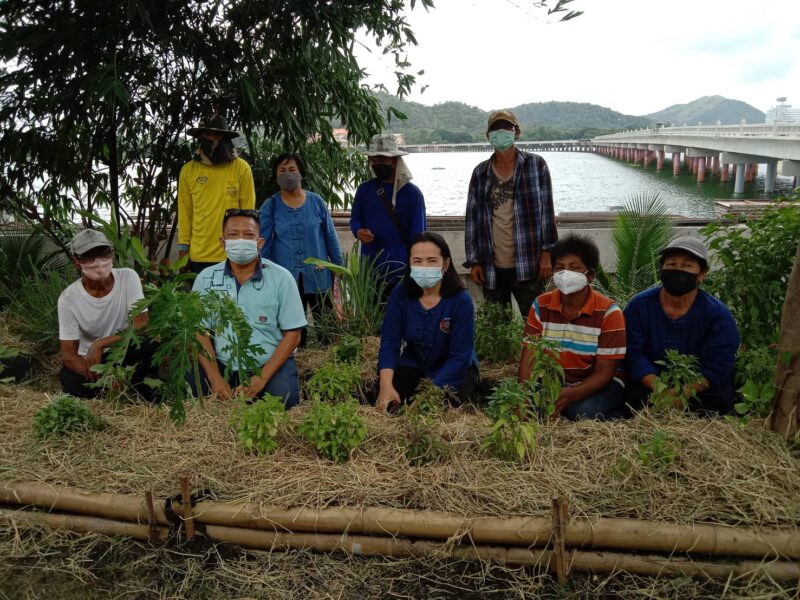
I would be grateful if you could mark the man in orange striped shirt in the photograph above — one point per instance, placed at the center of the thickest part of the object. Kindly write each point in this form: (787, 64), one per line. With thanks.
(589, 329)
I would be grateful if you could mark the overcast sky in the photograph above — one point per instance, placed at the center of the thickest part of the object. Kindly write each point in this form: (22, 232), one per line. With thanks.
(633, 56)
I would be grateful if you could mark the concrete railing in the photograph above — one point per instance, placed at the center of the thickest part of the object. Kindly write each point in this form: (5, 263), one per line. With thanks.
(759, 130)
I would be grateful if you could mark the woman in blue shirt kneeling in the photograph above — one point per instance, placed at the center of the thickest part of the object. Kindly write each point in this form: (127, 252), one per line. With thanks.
(296, 225)
(429, 328)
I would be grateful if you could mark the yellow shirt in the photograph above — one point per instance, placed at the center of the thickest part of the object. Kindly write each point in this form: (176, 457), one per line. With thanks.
(205, 192)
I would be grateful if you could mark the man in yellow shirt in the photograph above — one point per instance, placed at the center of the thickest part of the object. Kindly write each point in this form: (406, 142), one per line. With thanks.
(215, 180)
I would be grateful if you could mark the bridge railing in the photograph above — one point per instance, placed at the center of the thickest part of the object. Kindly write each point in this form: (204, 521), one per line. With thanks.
(757, 130)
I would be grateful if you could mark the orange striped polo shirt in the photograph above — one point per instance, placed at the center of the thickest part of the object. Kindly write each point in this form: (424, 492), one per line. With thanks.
(596, 333)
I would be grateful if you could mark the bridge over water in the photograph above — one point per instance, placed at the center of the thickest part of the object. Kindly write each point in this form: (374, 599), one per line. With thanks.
(712, 148)
(549, 146)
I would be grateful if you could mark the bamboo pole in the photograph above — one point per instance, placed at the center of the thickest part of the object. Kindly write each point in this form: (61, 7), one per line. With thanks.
(594, 562)
(620, 534)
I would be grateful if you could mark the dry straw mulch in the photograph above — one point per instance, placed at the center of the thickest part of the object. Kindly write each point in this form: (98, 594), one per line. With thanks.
(722, 473)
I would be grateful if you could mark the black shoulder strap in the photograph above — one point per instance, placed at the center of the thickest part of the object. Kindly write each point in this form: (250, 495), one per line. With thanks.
(395, 219)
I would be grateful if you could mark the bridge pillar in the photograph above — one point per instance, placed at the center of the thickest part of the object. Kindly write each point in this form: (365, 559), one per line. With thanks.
(694, 165)
(755, 171)
(676, 163)
(715, 164)
(772, 172)
(738, 186)
(659, 160)
(701, 169)
(748, 172)
(723, 173)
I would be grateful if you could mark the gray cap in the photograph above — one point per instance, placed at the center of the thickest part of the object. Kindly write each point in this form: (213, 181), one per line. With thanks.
(688, 244)
(88, 239)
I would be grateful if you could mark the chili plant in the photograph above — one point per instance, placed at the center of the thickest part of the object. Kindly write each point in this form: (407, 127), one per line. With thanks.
(422, 444)
(498, 332)
(675, 385)
(512, 436)
(546, 376)
(334, 382)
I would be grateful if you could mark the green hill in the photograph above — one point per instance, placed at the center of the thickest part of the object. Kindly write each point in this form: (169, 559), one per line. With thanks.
(708, 110)
(575, 115)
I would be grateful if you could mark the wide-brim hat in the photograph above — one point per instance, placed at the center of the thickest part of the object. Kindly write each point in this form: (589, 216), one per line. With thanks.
(214, 124)
(88, 239)
(384, 144)
(688, 244)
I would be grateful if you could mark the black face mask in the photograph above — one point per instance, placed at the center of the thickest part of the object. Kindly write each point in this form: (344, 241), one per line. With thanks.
(677, 282)
(383, 172)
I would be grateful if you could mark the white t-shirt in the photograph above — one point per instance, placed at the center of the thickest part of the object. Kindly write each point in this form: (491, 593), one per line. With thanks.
(85, 318)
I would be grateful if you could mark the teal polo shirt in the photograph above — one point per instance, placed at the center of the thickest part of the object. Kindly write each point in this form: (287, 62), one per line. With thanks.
(269, 300)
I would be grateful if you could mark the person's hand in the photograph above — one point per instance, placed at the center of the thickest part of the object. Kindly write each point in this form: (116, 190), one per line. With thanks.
(221, 389)
(93, 357)
(253, 390)
(387, 397)
(476, 274)
(545, 266)
(365, 235)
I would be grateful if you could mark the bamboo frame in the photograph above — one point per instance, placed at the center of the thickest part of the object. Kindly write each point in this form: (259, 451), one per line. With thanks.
(594, 562)
(620, 534)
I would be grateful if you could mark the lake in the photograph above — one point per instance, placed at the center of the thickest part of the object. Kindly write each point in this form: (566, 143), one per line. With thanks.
(583, 182)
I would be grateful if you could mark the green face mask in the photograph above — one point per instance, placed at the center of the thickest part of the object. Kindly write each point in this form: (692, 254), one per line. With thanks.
(501, 139)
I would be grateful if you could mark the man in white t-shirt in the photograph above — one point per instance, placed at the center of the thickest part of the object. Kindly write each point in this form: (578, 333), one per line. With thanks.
(91, 312)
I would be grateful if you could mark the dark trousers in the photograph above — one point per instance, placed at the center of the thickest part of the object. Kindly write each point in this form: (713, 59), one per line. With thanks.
(196, 267)
(283, 384)
(317, 301)
(637, 395)
(76, 384)
(406, 380)
(524, 292)
(604, 405)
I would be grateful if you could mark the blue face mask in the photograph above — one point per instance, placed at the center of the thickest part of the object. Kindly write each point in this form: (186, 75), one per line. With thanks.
(426, 277)
(501, 139)
(241, 252)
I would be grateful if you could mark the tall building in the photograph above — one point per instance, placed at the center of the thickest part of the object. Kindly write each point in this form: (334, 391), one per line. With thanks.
(783, 114)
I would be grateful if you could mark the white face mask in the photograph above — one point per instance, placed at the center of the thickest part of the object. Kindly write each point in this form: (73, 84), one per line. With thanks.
(569, 282)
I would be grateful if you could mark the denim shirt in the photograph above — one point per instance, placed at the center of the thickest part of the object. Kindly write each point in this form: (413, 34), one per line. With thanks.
(293, 234)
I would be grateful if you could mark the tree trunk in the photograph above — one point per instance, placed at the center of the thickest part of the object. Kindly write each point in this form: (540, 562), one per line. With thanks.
(786, 403)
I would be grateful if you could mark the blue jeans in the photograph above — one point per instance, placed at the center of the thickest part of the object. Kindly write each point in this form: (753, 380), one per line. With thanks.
(604, 405)
(283, 384)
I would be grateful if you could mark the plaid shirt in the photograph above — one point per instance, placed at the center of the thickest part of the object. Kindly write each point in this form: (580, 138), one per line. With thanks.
(534, 217)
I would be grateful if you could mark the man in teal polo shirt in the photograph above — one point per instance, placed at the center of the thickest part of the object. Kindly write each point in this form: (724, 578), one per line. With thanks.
(269, 299)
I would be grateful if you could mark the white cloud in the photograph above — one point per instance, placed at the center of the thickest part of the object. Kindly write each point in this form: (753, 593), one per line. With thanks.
(633, 56)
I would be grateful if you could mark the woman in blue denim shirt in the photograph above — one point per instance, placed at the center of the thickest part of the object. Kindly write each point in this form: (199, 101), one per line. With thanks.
(296, 225)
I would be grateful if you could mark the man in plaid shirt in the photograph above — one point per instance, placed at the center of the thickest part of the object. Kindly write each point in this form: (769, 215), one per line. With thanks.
(510, 221)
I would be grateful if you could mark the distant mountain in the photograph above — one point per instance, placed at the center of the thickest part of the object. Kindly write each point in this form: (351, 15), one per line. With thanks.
(576, 114)
(708, 110)
(454, 122)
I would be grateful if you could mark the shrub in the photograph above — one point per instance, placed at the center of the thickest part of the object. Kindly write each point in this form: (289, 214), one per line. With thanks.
(498, 333)
(422, 444)
(755, 259)
(34, 307)
(547, 375)
(257, 424)
(335, 430)
(672, 388)
(349, 349)
(65, 415)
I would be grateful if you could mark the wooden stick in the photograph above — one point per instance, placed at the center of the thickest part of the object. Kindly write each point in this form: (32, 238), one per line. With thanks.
(151, 517)
(186, 502)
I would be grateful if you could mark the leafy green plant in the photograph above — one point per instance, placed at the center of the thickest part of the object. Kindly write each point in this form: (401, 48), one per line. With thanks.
(512, 436)
(422, 444)
(258, 424)
(6, 352)
(660, 451)
(349, 349)
(335, 430)
(498, 333)
(755, 259)
(65, 415)
(34, 307)
(359, 306)
(642, 228)
(547, 375)
(755, 370)
(334, 382)
(674, 386)
(23, 255)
